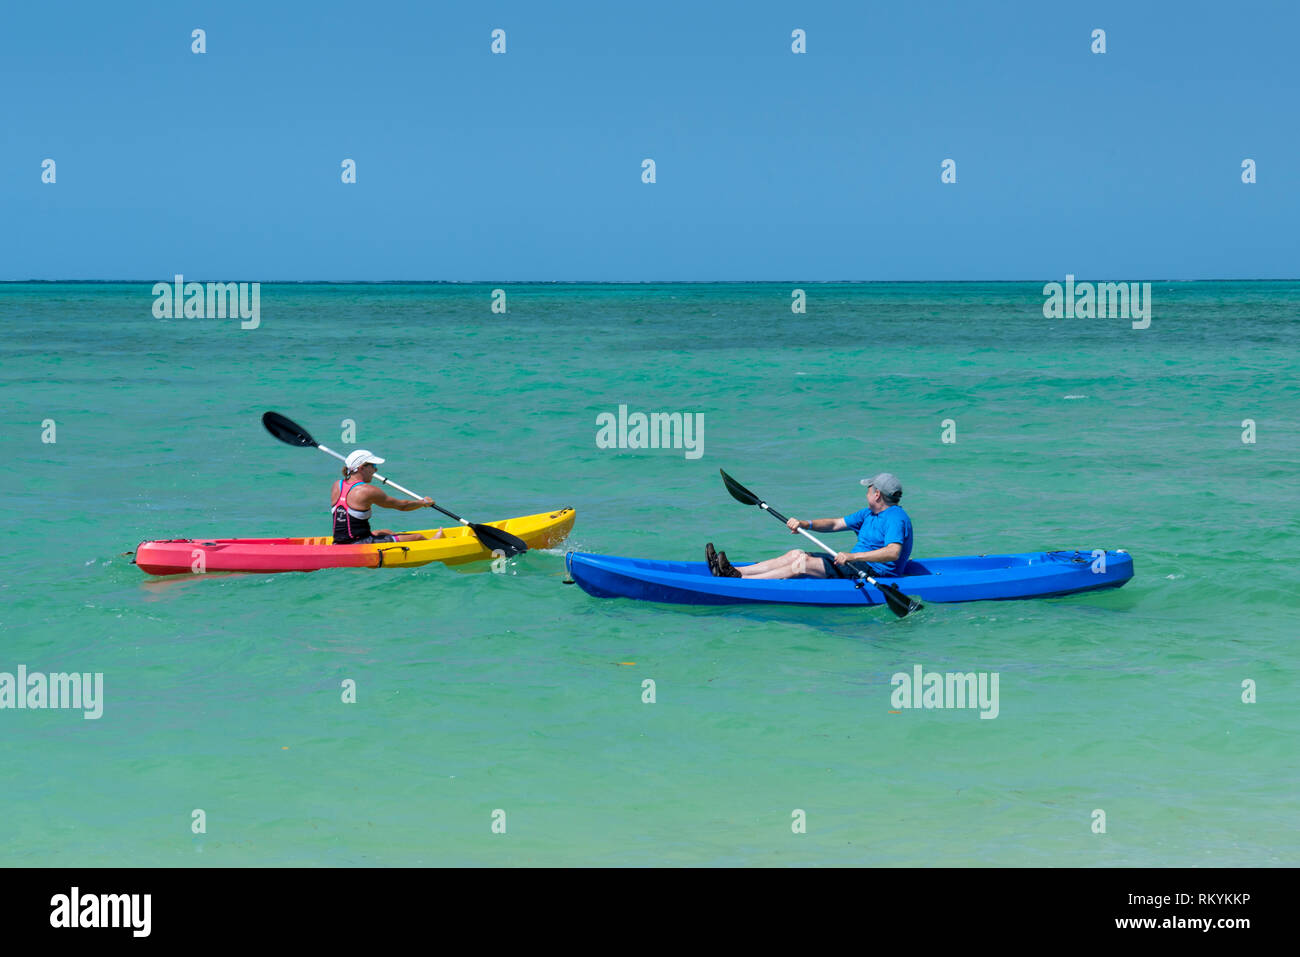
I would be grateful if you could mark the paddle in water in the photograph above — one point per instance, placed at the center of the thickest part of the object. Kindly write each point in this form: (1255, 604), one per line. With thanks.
(900, 604)
(291, 433)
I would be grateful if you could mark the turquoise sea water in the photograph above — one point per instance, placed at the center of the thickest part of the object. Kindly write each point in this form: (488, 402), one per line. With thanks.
(479, 691)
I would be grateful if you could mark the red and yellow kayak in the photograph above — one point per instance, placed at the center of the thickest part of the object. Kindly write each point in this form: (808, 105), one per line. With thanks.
(457, 546)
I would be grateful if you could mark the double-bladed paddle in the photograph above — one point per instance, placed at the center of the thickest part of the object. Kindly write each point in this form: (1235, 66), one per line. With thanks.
(291, 433)
(900, 604)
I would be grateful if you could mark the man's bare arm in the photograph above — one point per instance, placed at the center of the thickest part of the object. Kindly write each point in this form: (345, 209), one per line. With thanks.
(817, 524)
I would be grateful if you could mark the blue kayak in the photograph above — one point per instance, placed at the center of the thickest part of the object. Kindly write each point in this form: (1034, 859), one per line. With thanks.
(969, 578)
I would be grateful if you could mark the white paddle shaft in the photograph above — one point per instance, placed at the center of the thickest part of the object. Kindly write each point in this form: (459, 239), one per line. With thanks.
(804, 532)
(404, 491)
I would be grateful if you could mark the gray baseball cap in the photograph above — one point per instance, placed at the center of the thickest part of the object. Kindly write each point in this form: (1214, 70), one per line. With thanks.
(887, 484)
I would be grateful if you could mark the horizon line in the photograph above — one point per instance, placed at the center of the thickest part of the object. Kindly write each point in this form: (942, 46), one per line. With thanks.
(613, 282)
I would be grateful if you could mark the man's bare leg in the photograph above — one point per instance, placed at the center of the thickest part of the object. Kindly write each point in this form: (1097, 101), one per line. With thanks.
(793, 564)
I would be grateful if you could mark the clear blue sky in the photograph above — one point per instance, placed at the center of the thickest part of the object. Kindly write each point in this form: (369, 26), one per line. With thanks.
(527, 166)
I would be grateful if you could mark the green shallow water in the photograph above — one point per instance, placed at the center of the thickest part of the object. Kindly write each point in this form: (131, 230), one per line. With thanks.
(478, 691)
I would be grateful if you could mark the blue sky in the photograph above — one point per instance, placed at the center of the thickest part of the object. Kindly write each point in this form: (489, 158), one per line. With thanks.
(770, 165)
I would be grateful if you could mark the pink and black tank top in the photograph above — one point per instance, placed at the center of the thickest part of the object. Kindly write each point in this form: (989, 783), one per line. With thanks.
(349, 523)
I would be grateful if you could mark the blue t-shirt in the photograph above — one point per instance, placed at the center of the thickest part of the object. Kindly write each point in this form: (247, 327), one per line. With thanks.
(883, 528)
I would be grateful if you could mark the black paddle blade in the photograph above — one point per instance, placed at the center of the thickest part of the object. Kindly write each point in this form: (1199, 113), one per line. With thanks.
(900, 604)
(496, 540)
(745, 497)
(286, 430)
(741, 494)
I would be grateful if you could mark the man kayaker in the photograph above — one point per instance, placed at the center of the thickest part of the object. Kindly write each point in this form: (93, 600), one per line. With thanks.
(884, 541)
(352, 498)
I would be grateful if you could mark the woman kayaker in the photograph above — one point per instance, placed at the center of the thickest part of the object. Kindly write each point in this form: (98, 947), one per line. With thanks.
(884, 542)
(351, 500)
